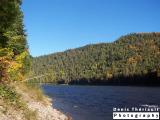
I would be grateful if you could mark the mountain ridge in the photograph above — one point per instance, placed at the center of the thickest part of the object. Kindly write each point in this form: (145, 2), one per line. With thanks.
(132, 54)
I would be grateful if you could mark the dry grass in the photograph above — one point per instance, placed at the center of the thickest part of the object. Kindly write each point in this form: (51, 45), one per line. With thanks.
(30, 115)
(30, 104)
(12, 105)
(33, 90)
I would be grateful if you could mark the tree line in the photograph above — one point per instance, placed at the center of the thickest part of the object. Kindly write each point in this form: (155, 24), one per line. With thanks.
(133, 58)
(14, 56)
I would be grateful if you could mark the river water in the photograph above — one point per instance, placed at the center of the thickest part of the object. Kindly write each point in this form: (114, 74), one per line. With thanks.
(97, 102)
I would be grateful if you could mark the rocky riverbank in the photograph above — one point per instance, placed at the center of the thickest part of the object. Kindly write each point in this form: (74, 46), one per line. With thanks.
(37, 106)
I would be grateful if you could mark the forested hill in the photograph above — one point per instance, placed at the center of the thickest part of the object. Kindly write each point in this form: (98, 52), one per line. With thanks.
(132, 59)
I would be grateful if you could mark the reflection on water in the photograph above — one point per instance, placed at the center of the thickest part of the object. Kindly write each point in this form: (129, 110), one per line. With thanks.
(97, 102)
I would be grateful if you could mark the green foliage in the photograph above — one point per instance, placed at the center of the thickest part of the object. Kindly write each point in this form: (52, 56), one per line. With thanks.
(14, 56)
(12, 99)
(8, 11)
(133, 54)
(8, 94)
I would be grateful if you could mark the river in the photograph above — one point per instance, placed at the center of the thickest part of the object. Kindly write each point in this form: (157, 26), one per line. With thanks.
(97, 102)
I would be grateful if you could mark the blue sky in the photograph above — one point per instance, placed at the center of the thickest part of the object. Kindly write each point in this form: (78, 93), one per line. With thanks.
(57, 25)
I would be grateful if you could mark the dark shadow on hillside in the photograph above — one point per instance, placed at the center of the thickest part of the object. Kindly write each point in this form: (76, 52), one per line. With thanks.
(150, 79)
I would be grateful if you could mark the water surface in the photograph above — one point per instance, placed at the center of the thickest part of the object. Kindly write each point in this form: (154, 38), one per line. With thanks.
(97, 102)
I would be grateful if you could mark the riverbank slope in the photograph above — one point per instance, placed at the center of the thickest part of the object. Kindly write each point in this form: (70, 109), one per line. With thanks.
(29, 104)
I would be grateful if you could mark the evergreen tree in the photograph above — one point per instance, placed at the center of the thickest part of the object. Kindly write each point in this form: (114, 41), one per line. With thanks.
(14, 55)
(131, 55)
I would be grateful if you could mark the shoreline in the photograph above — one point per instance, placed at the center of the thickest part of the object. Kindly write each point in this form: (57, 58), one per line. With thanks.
(47, 112)
(43, 108)
(129, 85)
(35, 106)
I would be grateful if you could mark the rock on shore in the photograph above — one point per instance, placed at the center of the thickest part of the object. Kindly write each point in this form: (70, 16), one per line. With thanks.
(42, 109)
(46, 112)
